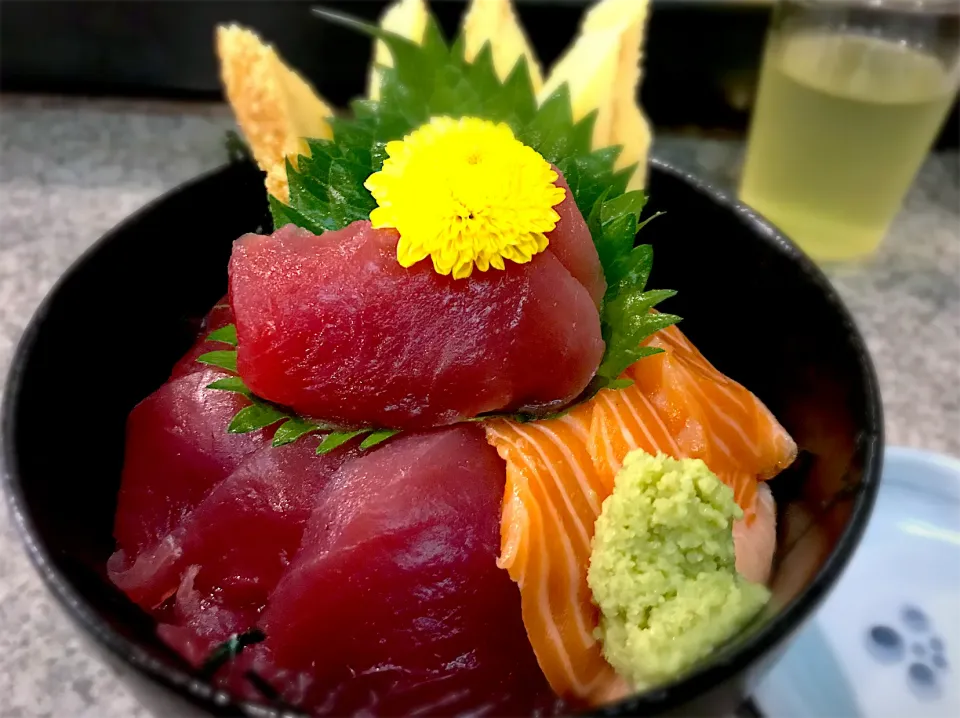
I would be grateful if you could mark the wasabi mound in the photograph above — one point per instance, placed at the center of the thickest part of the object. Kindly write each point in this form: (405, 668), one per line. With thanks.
(663, 570)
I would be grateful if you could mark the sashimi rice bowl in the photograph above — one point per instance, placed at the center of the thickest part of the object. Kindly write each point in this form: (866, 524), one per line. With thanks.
(443, 446)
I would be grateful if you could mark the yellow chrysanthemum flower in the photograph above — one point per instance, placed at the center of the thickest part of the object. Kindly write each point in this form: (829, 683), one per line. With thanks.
(466, 193)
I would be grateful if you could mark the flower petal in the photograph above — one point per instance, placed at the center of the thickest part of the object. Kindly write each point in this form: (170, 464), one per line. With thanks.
(465, 192)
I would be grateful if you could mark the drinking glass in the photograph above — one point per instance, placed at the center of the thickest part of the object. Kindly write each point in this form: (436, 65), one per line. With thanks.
(852, 95)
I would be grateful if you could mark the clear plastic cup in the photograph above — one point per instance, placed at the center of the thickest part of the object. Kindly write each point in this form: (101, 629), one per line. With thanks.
(851, 97)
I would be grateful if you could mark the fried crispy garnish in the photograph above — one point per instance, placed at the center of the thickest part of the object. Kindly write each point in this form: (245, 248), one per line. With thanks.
(274, 107)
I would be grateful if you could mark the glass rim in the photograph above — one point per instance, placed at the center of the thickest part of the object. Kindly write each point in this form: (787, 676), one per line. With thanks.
(939, 7)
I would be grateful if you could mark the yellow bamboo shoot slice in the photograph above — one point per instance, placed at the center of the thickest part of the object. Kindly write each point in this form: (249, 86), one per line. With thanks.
(407, 18)
(496, 22)
(589, 69)
(614, 32)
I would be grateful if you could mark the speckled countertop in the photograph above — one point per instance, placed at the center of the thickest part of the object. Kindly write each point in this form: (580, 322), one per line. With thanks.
(70, 170)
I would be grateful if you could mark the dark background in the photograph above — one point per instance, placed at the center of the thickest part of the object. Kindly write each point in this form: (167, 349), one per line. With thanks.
(701, 62)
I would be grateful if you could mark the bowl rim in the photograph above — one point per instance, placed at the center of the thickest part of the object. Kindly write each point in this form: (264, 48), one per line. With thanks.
(720, 668)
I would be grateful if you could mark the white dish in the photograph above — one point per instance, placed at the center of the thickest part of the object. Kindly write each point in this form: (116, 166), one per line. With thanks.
(886, 641)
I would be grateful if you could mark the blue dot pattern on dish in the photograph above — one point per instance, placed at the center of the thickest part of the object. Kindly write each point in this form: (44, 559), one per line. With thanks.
(923, 681)
(914, 619)
(885, 644)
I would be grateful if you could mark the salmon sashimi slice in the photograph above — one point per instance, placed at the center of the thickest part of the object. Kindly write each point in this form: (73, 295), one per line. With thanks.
(551, 502)
(559, 471)
(755, 537)
(713, 417)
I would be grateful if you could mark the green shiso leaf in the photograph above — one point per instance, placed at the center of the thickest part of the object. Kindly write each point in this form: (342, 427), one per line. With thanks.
(292, 429)
(377, 437)
(230, 649)
(338, 438)
(261, 414)
(222, 358)
(327, 187)
(283, 215)
(256, 416)
(627, 203)
(226, 334)
(231, 383)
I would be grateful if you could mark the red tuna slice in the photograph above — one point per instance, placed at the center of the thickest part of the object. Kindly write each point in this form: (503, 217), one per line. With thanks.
(335, 328)
(240, 537)
(395, 604)
(204, 623)
(177, 450)
(202, 620)
(219, 316)
(573, 245)
(235, 675)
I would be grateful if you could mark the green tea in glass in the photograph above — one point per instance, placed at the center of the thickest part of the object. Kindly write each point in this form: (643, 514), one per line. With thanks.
(851, 97)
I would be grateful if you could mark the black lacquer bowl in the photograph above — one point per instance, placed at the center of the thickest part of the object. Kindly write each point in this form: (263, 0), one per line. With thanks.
(110, 331)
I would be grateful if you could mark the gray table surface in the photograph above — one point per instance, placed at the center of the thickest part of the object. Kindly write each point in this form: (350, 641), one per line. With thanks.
(71, 169)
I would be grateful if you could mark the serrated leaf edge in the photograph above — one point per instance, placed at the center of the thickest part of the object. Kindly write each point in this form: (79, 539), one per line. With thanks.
(607, 184)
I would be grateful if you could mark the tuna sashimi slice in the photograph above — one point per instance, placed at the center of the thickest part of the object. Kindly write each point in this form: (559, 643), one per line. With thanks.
(395, 603)
(572, 244)
(177, 451)
(241, 537)
(559, 472)
(200, 620)
(219, 316)
(333, 327)
(201, 624)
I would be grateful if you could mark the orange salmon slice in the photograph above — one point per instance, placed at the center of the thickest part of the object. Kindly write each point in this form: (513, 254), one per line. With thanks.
(560, 470)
